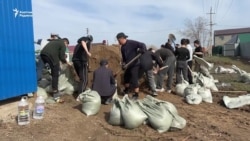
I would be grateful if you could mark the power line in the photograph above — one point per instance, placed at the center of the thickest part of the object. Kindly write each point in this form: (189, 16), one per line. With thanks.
(227, 11)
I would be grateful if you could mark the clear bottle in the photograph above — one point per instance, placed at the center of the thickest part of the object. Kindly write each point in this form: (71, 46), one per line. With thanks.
(39, 108)
(23, 117)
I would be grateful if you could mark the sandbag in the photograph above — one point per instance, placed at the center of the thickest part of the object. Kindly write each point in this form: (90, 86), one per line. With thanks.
(41, 92)
(243, 75)
(178, 121)
(132, 115)
(115, 117)
(203, 62)
(158, 117)
(223, 70)
(205, 94)
(91, 102)
(179, 89)
(207, 82)
(236, 102)
(193, 99)
(191, 89)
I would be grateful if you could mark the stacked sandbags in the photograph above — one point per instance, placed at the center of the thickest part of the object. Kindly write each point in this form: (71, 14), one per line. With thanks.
(205, 94)
(161, 115)
(236, 102)
(207, 82)
(91, 102)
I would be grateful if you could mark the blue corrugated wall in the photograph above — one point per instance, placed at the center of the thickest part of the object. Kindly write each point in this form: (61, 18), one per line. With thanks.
(17, 57)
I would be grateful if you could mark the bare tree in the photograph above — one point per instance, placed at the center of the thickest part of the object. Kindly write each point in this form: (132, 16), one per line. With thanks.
(196, 29)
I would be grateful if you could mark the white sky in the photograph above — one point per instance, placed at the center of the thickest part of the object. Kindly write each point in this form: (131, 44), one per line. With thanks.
(148, 21)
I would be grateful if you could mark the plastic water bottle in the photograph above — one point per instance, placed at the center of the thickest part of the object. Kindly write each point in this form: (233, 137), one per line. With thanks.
(23, 117)
(39, 108)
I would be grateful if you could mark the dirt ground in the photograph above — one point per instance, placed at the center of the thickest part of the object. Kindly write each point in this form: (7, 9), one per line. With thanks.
(66, 122)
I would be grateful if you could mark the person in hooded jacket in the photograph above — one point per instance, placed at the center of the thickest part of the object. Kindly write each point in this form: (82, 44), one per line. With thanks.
(80, 61)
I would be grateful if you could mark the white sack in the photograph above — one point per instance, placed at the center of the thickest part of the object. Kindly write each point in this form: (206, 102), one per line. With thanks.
(115, 117)
(159, 118)
(91, 102)
(207, 82)
(203, 62)
(223, 70)
(205, 94)
(132, 115)
(236, 102)
(193, 99)
(191, 89)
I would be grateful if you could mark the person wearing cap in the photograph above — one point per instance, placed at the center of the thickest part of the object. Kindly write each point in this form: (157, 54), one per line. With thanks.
(104, 82)
(129, 50)
(53, 53)
(80, 60)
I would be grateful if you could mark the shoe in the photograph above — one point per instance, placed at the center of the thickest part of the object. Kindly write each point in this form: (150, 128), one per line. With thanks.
(154, 94)
(160, 90)
(135, 97)
(169, 91)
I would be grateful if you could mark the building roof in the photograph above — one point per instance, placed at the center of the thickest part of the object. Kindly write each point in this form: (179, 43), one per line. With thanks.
(231, 31)
(233, 40)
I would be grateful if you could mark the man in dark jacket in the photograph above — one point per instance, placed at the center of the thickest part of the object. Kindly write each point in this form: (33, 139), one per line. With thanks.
(104, 82)
(182, 54)
(199, 53)
(129, 50)
(168, 59)
(80, 60)
(53, 53)
(147, 64)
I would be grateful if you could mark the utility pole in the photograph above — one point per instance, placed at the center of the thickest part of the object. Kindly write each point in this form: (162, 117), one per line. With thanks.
(211, 29)
(87, 30)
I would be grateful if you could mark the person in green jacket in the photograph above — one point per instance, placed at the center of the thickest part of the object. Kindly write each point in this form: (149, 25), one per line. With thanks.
(53, 53)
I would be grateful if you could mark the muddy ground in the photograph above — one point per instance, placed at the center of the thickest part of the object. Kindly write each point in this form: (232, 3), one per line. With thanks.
(66, 122)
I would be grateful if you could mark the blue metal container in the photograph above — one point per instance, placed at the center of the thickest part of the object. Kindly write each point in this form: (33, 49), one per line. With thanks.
(17, 57)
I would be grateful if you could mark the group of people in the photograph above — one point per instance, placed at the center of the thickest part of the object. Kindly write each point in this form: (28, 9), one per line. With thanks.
(137, 60)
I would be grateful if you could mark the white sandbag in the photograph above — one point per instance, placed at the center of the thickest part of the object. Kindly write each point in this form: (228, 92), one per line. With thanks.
(193, 99)
(205, 71)
(41, 92)
(205, 94)
(132, 115)
(69, 89)
(223, 70)
(203, 62)
(115, 117)
(178, 121)
(207, 82)
(236, 102)
(179, 89)
(159, 118)
(243, 75)
(191, 89)
(91, 102)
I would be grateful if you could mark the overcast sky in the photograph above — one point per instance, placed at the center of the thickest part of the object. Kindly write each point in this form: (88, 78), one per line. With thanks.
(148, 21)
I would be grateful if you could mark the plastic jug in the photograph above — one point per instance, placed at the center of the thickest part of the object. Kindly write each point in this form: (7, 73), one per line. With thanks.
(23, 117)
(39, 108)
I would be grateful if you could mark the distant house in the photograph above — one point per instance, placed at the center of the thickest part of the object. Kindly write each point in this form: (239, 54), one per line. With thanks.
(232, 42)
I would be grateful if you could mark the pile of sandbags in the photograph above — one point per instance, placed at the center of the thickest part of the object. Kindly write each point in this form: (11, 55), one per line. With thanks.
(195, 94)
(243, 75)
(223, 70)
(236, 102)
(180, 87)
(160, 115)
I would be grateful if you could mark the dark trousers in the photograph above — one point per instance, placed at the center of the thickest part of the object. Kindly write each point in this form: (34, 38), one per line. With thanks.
(82, 72)
(131, 76)
(55, 70)
(190, 77)
(181, 69)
